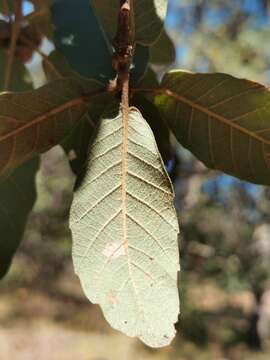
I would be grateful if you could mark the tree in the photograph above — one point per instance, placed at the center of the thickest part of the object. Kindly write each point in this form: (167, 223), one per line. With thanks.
(124, 225)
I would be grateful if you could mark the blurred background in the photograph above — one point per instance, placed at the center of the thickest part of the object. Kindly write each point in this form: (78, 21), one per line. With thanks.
(225, 226)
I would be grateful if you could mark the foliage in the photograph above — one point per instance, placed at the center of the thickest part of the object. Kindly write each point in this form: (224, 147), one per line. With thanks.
(124, 225)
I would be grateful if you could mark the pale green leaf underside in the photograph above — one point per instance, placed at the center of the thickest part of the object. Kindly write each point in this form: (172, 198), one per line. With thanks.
(149, 18)
(125, 232)
(34, 121)
(222, 120)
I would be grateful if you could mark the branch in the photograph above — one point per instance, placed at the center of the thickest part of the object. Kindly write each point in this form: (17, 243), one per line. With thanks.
(36, 14)
(16, 25)
(124, 48)
(6, 10)
(45, 57)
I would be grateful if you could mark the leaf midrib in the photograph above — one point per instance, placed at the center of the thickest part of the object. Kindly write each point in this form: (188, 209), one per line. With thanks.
(201, 108)
(125, 122)
(83, 99)
(212, 114)
(43, 117)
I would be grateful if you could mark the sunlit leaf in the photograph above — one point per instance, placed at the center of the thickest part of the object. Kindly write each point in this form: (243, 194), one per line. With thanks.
(223, 120)
(125, 231)
(33, 122)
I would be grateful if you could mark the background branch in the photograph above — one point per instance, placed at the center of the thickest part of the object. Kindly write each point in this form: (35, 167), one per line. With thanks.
(16, 24)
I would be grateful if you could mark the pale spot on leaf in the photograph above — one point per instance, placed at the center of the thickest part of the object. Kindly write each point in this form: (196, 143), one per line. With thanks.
(114, 250)
(112, 298)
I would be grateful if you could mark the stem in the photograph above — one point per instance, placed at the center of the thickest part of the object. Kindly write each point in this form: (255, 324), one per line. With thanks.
(6, 10)
(16, 25)
(123, 44)
(37, 13)
(132, 22)
(45, 57)
(126, 26)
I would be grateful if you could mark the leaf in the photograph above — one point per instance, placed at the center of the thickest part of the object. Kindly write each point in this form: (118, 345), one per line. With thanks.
(140, 63)
(17, 191)
(17, 197)
(149, 18)
(160, 129)
(56, 67)
(20, 78)
(222, 120)
(81, 39)
(33, 122)
(80, 24)
(77, 143)
(125, 231)
(162, 52)
(149, 81)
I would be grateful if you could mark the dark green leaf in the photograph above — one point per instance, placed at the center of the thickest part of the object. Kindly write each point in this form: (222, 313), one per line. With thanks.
(162, 52)
(20, 78)
(17, 191)
(56, 67)
(79, 36)
(140, 63)
(149, 80)
(76, 145)
(17, 197)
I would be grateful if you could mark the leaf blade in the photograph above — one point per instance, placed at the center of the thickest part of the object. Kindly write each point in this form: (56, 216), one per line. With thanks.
(18, 195)
(221, 119)
(157, 124)
(163, 52)
(19, 75)
(17, 191)
(35, 121)
(108, 214)
(78, 32)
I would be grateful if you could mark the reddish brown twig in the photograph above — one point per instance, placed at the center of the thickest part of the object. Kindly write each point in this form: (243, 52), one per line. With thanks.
(124, 49)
